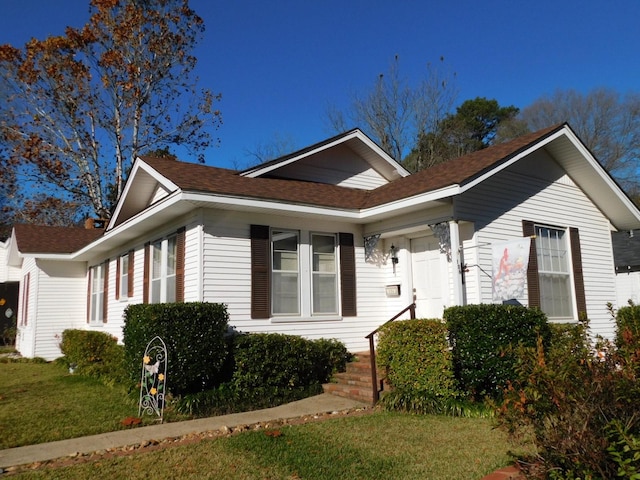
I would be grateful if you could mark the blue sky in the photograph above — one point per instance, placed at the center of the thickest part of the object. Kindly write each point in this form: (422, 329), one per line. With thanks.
(279, 64)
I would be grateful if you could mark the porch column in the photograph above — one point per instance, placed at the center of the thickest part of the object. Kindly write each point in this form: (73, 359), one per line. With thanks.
(458, 294)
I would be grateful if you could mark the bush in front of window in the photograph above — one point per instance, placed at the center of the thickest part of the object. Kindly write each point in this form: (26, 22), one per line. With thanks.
(483, 338)
(94, 354)
(194, 334)
(266, 370)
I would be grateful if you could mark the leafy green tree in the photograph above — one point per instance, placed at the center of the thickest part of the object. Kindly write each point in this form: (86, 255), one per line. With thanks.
(472, 127)
(79, 108)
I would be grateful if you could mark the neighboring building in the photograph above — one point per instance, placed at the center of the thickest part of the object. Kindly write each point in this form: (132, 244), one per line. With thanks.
(335, 239)
(626, 250)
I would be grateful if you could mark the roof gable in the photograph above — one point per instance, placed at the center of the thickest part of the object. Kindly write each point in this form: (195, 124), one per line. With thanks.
(348, 159)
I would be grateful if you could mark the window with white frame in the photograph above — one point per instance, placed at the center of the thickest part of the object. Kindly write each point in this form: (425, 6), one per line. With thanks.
(554, 272)
(324, 274)
(285, 272)
(97, 293)
(124, 276)
(163, 270)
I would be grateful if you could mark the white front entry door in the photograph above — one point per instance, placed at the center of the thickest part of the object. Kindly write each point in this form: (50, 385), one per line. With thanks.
(428, 282)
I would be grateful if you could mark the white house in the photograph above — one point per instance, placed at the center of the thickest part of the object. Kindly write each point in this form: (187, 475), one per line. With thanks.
(334, 240)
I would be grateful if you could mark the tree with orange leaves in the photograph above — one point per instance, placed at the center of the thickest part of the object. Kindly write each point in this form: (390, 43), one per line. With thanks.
(77, 109)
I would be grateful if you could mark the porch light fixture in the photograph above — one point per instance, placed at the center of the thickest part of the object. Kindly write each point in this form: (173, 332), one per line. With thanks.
(394, 254)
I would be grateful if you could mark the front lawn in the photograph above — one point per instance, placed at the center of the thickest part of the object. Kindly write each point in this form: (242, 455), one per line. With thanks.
(42, 402)
(379, 445)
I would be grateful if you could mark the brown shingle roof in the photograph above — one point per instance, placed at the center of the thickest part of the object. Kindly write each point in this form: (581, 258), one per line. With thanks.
(201, 178)
(46, 239)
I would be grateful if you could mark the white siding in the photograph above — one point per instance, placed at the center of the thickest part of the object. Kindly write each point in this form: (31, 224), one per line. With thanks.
(339, 166)
(541, 193)
(227, 279)
(57, 301)
(25, 340)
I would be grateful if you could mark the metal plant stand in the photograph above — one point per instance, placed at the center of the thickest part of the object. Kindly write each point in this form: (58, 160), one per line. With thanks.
(154, 379)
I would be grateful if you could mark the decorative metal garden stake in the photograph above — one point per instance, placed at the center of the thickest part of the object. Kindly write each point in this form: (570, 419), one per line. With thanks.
(154, 379)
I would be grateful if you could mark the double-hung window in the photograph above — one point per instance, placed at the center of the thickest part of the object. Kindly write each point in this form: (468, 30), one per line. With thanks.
(324, 274)
(124, 275)
(554, 272)
(163, 271)
(285, 272)
(96, 296)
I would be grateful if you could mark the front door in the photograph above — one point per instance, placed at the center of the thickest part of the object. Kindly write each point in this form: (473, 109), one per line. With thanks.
(428, 284)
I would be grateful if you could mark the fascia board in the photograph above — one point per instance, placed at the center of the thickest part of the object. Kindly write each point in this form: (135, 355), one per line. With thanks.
(402, 204)
(244, 202)
(137, 166)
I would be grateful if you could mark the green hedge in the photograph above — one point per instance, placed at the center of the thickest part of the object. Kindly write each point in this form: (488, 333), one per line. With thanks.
(276, 364)
(93, 353)
(268, 369)
(194, 334)
(416, 357)
(482, 337)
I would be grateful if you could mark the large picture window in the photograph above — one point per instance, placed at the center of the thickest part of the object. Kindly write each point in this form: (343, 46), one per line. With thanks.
(554, 272)
(302, 274)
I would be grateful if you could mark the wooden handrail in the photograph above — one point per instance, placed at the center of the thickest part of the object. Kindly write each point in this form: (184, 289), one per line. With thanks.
(372, 349)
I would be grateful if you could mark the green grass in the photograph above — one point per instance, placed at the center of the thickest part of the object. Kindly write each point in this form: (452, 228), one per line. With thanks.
(42, 402)
(380, 445)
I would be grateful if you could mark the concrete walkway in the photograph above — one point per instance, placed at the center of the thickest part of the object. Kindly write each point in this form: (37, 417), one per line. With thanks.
(319, 404)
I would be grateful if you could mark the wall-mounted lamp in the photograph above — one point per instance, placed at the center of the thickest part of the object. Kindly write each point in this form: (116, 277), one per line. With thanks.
(394, 254)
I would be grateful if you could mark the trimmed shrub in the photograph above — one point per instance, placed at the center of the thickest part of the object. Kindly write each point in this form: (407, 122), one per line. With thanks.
(268, 370)
(93, 353)
(483, 338)
(416, 357)
(194, 334)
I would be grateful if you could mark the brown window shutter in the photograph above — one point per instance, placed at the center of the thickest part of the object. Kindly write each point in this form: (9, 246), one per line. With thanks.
(89, 280)
(130, 273)
(260, 272)
(145, 278)
(533, 281)
(180, 251)
(105, 292)
(118, 261)
(578, 277)
(347, 274)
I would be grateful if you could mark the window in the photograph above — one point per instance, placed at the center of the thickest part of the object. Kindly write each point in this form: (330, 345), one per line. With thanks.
(301, 274)
(24, 315)
(123, 280)
(554, 272)
(163, 270)
(325, 273)
(285, 272)
(97, 286)
(554, 276)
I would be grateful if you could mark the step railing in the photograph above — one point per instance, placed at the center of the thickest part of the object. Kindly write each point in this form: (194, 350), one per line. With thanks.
(372, 350)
